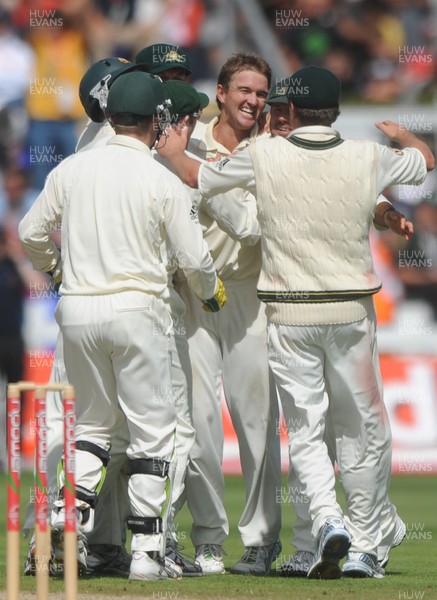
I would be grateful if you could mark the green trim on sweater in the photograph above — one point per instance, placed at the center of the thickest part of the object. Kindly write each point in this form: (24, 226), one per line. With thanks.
(298, 297)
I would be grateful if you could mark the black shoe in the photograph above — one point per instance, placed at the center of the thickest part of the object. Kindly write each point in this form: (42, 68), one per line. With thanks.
(108, 559)
(189, 567)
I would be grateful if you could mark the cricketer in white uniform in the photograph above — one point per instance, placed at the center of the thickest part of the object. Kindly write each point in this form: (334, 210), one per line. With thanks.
(96, 134)
(232, 350)
(172, 62)
(393, 529)
(106, 552)
(103, 558)
(318, 289)
(117, 206)
(186, 107)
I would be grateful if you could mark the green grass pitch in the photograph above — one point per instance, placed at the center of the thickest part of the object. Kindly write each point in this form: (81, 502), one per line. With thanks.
(411, 573)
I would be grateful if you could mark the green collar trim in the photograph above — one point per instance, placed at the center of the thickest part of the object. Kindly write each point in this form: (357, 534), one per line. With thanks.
(313, 144)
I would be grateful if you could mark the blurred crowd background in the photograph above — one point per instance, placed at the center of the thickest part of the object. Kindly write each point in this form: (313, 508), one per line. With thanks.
(384, 52)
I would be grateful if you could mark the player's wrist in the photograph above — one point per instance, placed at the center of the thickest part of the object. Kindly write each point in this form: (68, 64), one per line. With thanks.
(387, 213)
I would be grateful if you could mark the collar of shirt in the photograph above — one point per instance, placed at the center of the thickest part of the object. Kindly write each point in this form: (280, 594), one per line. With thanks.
(211, 144)
(130, 142)
(315, 132)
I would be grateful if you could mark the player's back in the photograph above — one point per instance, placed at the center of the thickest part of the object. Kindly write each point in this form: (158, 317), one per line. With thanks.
(112, 219)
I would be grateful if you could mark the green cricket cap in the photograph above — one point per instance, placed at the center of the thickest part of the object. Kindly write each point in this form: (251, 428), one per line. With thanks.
(314, 87)
(278, 93)
(185, 99)
(136, 93)
(162, 57)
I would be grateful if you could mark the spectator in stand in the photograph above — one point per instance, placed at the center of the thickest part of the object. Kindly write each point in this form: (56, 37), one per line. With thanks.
(16, 280)
(16, 60)
(16, 196)
(53, 103)
(388, 42)
(12, 294)
(177, 21)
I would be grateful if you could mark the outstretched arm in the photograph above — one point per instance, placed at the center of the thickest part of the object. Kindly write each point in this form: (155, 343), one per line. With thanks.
(397, 133)
(171, 146)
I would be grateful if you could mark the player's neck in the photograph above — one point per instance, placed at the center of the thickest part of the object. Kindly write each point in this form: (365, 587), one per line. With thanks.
(228, 136)
(148, 139)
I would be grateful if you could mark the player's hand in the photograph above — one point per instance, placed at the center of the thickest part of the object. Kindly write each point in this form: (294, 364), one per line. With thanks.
(172, 142)
(56, 277)
(394, 131)
(398, 223)
(399, 134)
(218, 301)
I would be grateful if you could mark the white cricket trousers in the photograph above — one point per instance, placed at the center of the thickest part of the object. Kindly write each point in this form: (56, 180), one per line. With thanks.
(113, 505)
(344, 358)
(230, 347)
(116, 350)
(303, 538)
(181, 379)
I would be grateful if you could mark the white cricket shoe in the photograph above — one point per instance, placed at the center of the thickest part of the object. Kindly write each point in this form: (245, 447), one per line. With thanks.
(210, 558)
(147, 566)
(396, 538)
(360, 564)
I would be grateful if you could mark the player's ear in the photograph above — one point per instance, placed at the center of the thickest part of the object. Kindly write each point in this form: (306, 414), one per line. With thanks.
(220, 92)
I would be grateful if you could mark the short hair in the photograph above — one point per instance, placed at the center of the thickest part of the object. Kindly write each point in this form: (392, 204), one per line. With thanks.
(242, 61)
(129, 123)
(316, 116)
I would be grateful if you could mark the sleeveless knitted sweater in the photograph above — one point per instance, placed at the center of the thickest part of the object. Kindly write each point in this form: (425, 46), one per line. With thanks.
(316, 199)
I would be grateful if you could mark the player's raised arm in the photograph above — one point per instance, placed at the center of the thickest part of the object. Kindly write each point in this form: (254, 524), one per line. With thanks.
(406, 139)
(211, 178)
